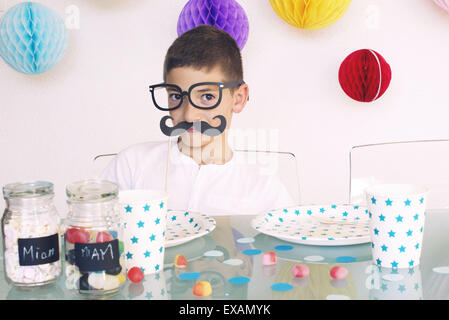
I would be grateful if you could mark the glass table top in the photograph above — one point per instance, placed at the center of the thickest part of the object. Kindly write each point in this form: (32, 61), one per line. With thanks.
(222, 258)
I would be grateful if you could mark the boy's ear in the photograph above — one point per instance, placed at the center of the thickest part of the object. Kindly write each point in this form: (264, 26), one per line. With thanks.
(240, 98)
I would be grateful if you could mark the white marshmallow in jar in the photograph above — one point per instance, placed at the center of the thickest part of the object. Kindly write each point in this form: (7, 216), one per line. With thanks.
(30, 230)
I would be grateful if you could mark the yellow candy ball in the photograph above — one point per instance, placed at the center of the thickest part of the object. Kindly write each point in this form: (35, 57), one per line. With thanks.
(310, 14)
(202, 289)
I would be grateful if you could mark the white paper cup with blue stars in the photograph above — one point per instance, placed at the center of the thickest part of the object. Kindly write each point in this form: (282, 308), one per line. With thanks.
(397, 213)
(143, 214)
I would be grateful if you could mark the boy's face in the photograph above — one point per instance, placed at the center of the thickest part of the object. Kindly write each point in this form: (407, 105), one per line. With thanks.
(184, 77)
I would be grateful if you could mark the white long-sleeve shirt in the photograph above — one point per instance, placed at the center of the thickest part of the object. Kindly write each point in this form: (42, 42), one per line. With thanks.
(236, 187)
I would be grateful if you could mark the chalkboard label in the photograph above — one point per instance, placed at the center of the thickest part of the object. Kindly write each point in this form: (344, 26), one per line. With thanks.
(97, 256)
(36, 251)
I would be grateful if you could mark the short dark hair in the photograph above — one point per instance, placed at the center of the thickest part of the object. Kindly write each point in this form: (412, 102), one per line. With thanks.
(206, 47)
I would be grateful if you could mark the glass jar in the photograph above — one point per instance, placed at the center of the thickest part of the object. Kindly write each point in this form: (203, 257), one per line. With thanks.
(30, 228)
(93, 240)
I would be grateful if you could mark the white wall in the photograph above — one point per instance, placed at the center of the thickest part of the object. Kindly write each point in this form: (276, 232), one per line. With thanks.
(96, 99)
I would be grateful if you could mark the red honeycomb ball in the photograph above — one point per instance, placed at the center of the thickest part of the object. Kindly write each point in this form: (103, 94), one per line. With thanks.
(364, 75)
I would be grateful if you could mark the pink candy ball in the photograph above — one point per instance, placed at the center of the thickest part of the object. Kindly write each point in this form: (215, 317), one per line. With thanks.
(300, 271)
(269, 259)
(338, 272)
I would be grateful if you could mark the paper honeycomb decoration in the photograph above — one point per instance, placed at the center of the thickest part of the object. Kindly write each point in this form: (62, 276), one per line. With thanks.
(226, 15)
(33, 38)
(310, 14)
(443, 4)
(364, 75)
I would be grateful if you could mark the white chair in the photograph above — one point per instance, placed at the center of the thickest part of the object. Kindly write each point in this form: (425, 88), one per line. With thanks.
(423, 162)
(281, 164)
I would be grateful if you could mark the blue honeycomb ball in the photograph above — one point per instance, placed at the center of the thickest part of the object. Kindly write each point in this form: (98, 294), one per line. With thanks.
(226, 15)
(33, 38)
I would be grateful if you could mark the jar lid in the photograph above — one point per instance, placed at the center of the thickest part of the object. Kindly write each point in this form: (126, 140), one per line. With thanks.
(32, 189)
(92, 191)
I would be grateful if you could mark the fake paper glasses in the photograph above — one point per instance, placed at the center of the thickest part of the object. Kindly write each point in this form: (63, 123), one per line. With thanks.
(203, 95)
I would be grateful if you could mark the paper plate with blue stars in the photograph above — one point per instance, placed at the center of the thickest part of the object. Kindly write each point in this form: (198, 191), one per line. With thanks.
(326, 225)
(184, 226)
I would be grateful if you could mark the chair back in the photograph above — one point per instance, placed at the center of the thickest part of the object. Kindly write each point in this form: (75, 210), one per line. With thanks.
(422, 162)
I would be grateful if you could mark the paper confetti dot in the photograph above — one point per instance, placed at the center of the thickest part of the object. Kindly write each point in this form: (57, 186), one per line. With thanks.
(252, 252)
(346, 259)
(393, 277)
(239, 280)
(233, 262)
(283, 248)
(337, 297)
(281, 286)
(442, 270)
(245, 240)
(213, 253)
(189, 276)
(314, 258)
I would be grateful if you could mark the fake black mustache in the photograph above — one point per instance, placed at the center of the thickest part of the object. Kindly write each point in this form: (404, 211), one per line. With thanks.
(201, 126)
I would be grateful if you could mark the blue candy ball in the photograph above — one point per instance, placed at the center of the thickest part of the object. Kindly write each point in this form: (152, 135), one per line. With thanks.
(33, 38)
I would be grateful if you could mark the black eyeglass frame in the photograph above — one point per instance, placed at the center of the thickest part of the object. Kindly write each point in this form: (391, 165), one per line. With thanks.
(221, 86)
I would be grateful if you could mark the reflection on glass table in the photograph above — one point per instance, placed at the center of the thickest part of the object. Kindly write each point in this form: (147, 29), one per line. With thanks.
(230, 259)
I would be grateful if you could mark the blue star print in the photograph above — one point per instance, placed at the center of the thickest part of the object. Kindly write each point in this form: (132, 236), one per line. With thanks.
(157, 221)
(345, 214)
(399, 218)
(402, 249)
(417, 246)
(379, 262)
(394, 264)
(297, 212)
(384, 248)
(140, 224)
(421, 200)
(147, 254)
(161, 205)
(376, 232)
(134, 239)
(157, 267)
(411, 262)
(146, 208)
(128, 208)
(391, 234)
(416, 216)
(382, 217)
(322, 210)
(407, 202)
(173, 218)
(373, 200)
(129, 255)
(401, 288)
(160, 249)
(409, 233)
(149, 295)
(388, 202)
(153, 237)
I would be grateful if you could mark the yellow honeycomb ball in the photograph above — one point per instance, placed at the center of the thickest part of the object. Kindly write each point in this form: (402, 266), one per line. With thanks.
(310, 14)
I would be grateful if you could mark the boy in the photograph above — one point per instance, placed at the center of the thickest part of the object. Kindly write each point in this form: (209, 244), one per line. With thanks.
(203, 87)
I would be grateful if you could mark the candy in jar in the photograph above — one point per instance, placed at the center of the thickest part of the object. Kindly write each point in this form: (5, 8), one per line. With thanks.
(93, 248)
(30, 228)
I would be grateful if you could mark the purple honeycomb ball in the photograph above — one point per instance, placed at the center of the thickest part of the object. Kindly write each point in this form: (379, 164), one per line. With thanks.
(226, 15)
